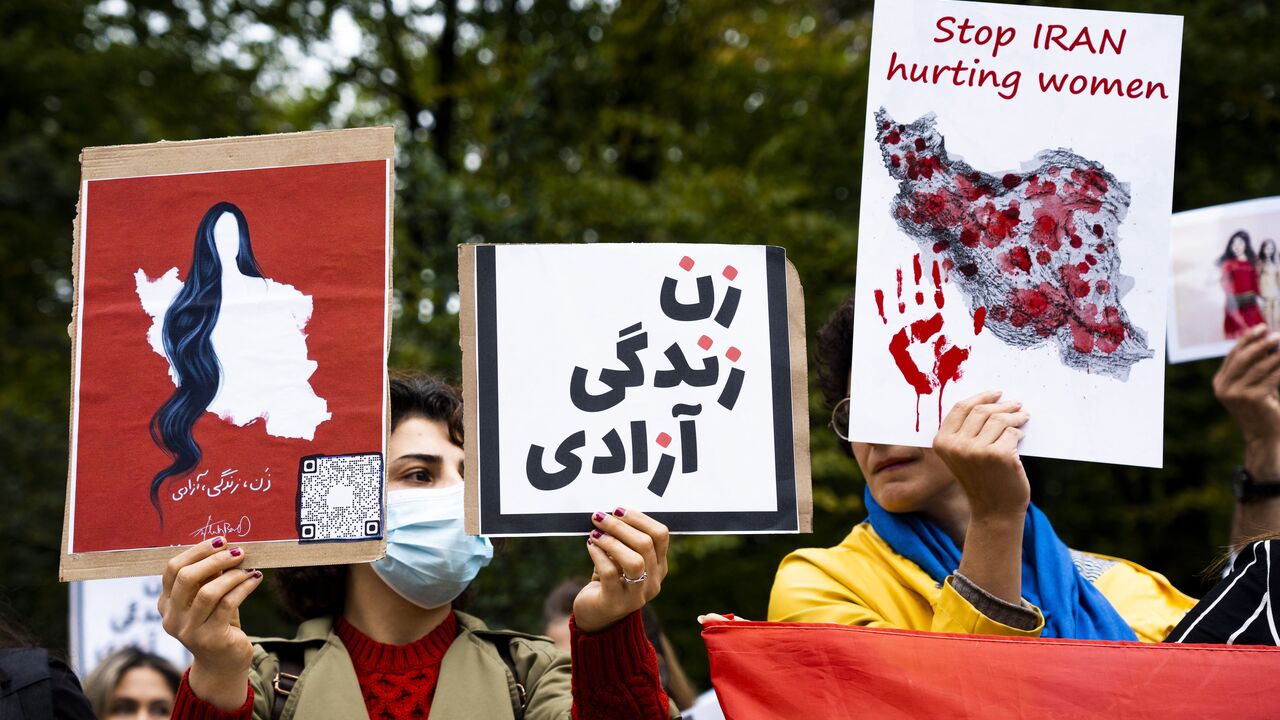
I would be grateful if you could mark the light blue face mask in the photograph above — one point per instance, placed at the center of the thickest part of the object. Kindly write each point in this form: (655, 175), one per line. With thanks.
(430, 559)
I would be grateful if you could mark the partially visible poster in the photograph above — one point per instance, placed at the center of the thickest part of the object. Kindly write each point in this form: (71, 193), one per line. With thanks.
(229, 353)
(1226, 276)
(107, 615)
(1016, 191)
(665, 378)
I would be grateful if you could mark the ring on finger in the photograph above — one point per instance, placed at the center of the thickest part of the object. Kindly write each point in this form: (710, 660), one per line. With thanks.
(634, 581)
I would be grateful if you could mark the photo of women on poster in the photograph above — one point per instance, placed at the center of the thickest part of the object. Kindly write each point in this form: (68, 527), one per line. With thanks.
(1269, 283)
(1226, 276)
(1240, 284)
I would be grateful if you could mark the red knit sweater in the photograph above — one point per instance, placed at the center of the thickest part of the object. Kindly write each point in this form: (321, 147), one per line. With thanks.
(615, 675)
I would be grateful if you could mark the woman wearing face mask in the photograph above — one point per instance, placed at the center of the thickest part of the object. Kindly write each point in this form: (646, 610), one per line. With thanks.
(382, 639)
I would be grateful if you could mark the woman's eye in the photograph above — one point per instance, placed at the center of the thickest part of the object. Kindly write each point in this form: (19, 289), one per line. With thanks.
(421, 476)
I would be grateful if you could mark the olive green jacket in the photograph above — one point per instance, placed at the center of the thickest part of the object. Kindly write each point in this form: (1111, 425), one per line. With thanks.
(474, 680)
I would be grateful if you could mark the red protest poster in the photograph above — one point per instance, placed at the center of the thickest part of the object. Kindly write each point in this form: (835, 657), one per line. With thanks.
(230, 350)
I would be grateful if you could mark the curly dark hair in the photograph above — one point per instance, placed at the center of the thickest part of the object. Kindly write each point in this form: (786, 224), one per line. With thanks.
(319, 591)
(833, 357)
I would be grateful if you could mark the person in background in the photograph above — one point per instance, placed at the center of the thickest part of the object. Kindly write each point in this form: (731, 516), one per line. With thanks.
(383, 639)
(132, 684)
(35, 685)
(556, 610)
(953, 544)
(558, 607)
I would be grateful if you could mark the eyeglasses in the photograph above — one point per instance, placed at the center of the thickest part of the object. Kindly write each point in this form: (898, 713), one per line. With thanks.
(840, 419)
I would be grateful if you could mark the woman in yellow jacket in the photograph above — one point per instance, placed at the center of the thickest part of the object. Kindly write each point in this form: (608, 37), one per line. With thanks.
(952, 543)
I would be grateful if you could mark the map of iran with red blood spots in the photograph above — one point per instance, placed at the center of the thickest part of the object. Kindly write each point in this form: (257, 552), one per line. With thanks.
(1035, 253)
(1014, 230)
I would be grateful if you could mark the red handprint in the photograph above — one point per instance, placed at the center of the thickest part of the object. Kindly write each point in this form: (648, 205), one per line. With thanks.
(947, 359)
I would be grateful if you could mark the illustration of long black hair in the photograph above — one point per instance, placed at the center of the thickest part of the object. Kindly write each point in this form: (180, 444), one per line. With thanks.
(1228, 254)
(188, 326)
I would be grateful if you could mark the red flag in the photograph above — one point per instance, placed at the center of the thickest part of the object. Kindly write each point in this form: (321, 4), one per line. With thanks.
(799, 671)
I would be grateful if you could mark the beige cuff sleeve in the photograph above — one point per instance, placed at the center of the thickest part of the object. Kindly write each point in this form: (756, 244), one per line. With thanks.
(1022, 616)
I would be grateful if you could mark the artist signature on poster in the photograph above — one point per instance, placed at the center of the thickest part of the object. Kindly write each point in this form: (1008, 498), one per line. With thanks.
(224, 528)
(229, 481)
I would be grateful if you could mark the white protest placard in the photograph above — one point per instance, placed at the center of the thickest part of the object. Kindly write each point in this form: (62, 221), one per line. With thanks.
(665, 378)
(1226, 276)
(107, 615)
(1014, 235)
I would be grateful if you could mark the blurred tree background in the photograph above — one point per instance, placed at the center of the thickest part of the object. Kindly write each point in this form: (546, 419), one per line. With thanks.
(736, 121)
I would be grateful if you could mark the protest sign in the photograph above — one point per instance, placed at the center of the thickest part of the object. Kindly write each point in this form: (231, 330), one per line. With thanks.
(1016, 187)
(229, 344)
(1226, 276)
(107, 615)
(665, 378)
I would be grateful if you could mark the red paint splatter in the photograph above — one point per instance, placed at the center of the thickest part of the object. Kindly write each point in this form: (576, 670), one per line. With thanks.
(1010, 181)
(979, 320)
(880, 305)
(946, 369)
(915, 268)
(919, 298)
(1017, 258)
(938, 298)
(918, 380)
(1043, 257)
(902, 307)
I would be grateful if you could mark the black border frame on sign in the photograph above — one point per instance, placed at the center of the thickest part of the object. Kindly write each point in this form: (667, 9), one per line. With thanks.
(494, 522)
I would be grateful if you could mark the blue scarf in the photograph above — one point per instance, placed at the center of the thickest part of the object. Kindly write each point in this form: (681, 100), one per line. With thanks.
(1071, 605)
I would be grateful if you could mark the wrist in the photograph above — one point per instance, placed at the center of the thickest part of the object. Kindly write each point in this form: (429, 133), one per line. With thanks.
(1003, 518)
(1262, 458)
(224, 690)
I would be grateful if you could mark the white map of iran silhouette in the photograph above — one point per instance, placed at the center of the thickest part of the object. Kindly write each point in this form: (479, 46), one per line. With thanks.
(260, 342)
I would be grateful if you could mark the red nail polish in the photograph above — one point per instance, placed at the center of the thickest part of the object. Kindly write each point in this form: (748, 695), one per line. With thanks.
(590, 541)
(257, 574)
(619, 512)
(235, 552)
(218, 542)
(598, 516)
(597, 534)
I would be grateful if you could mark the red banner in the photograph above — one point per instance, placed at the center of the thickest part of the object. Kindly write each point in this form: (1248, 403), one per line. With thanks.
(800, 671)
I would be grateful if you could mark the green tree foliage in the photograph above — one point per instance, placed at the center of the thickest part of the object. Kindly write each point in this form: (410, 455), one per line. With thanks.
(562, 121)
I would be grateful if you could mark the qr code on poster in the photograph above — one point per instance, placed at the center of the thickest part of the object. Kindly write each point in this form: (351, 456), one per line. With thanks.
(340, 497)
